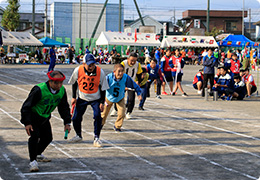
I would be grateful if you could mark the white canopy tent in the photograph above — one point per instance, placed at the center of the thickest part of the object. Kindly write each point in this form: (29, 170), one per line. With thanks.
(189, 41)
(19, 39)
(128, 39)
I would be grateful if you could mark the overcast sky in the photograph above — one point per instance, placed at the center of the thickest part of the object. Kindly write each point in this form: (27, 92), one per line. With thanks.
(158, 9)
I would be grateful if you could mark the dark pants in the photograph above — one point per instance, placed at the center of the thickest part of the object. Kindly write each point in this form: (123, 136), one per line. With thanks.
(41, 137)
(52, 64)
(80, 109)
(143, 94)
(159, 83)
(130, 101)
(210, 78)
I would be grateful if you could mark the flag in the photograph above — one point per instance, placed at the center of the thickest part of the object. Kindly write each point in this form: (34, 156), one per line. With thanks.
(211, 41)
(247, 43)
(184, 39)
(157, 37)
(202, 40)
(229, 42)
(193, 40)
(135, 35)
(129, 34)
(256, 44)
(1, 40)
(147, 36)
(238, 42)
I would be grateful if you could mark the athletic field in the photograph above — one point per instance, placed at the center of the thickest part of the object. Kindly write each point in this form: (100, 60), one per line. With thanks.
(174, 138)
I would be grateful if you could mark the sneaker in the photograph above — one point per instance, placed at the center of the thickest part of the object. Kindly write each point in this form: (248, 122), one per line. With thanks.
(97, 142)
(117, 129)
(42, 158)
(200, 92)
(223, 98)
(173, 93)
(158, 97)
(141, 108)
(229, 98)
(113, 113)
(128, 115)
(185, 95)
(164, 93)
(34, 166)
(75, 139)
(248, 96)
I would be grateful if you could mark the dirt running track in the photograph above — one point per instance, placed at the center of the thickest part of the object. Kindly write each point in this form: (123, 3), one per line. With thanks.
(174, 138)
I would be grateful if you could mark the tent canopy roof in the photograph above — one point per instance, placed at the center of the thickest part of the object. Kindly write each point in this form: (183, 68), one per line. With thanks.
(237, 41)
(123, 38)
(189, 41)
(48, 42)
(19, 39)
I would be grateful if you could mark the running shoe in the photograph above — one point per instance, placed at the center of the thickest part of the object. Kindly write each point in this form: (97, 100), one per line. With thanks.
(158, 97)
(42, 158)
(141, 108)
(97, 142)
(117, 129)
(34, 166)
(229, 98)
(128, 115)
(113, 113)
(164, 93)
(75, 139)
(185, 95)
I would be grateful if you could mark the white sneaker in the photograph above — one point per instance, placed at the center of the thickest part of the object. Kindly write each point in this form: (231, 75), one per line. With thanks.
(34, 166)
(42, 158)
(200, 92)
(75, 139)
(128, 116)
(97, 142)
(113, 113)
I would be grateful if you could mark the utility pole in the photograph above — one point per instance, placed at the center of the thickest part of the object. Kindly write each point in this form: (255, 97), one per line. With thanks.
(139, 13)
(80, 12)
(174, 19)
(243, 14)
(33, 17)
(120, 14)
(45, 18)
(208, 16)
(249, 20)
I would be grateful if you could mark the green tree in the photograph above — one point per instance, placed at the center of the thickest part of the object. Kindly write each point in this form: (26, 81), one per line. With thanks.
(214, 32)
(11, 16)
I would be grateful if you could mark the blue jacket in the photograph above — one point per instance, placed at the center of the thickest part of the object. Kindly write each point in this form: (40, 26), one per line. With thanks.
(116, 90)
(52, 54)
(153, 73)
(225, 80)
(209, 63)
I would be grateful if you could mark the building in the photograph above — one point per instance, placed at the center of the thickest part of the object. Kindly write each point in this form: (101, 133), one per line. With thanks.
(226, 21)
(151, 24)
(1, 14)
(64, 20)
(250, 30)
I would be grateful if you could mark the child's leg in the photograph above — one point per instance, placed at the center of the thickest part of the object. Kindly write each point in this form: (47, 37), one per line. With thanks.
(143, 93)
(159, 83)
(148, 87)
(107, 108)
(121, 113)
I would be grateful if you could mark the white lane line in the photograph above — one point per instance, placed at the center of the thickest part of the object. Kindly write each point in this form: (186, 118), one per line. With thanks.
(60, 172)
(10, 95)
(14, 166)
(133, 154)
(16, 87)
(68, 155)
(15, 79)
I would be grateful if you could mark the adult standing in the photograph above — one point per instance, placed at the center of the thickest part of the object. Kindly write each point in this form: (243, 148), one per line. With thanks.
(209, 62)
(36, 113)
(147, 56)
(90, 80)
(38, 54)
(52, 59)
(70, 54)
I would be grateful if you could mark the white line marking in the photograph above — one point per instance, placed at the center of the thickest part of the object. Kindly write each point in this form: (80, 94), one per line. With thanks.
(13, 166)
(54, 173)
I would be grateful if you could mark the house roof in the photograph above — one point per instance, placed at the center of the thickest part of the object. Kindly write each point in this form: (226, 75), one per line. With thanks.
(39, 17)
(144, 17)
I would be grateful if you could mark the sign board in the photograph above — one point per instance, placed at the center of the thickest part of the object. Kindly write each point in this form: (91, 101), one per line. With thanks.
(23, 56)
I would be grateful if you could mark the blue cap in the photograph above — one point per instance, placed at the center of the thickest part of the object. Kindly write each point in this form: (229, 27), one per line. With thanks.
(89, 59)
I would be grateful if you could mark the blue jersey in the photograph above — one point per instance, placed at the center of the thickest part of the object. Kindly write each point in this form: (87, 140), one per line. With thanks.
(240, 88)
(153, 73)
(116, 90)
(225, 80)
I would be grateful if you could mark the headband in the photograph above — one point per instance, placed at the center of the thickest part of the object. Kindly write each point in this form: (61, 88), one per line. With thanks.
(55, 79)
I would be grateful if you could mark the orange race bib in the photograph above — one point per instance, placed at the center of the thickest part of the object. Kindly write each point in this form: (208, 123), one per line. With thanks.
(88, 84)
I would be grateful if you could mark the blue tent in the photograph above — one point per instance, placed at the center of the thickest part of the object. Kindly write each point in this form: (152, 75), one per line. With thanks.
(48, 42)
(237, 41)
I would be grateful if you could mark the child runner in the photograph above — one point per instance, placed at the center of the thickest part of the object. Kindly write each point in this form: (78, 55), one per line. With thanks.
(118, 81)
(91, 82)
(155, 76)
(177, 72)
(166, 66)
(198, 80)
(143, 86)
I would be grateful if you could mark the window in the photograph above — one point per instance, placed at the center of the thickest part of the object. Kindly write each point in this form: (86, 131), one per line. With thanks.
(231, 26)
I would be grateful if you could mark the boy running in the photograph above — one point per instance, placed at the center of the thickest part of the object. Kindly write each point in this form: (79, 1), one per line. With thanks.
(117, 82)
(143, 86)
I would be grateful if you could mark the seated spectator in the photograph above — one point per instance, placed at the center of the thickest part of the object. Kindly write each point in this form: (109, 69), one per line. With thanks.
(239, 88)
(223, 85)
(198, 80)
(234, 65)
(249, 82)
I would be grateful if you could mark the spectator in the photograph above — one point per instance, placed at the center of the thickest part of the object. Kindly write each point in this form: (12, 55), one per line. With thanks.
(158, 55)
(38, 55)
(52, 59)
(147, 56)
(198, 81)
(239, 88)
(86, 50)
(94, 52)
(70, 54)
(234, 65)
(249, 82)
